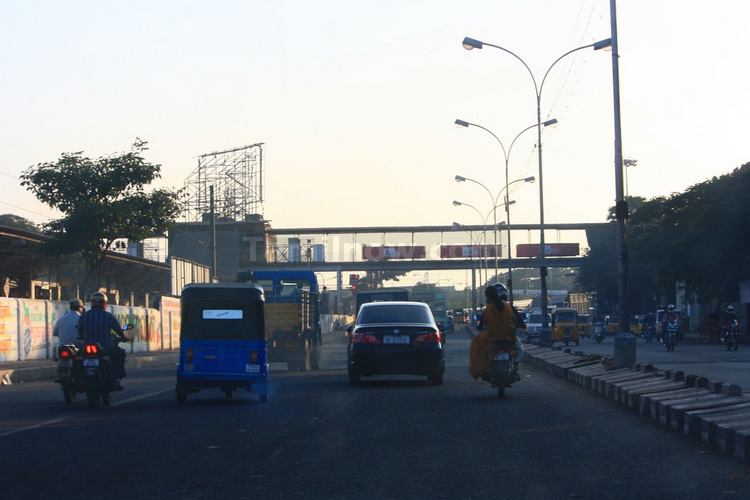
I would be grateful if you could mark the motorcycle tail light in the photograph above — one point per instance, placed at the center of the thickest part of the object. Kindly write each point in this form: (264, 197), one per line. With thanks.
(91, 349)
(189, 355)
(65, 354)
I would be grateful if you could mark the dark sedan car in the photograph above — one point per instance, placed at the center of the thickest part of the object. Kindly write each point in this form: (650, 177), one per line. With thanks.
(395, 338)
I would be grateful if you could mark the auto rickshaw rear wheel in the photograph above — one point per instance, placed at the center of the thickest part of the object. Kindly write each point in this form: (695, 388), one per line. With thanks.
(500, 391)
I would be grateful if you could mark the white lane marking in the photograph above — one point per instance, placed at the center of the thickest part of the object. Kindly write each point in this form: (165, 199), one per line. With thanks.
(35, 426)
(67, 417)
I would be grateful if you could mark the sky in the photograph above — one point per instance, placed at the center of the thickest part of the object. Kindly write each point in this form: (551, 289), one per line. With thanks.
(355, 101)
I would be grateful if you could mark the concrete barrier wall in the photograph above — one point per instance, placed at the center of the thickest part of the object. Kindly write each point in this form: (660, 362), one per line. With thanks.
(26, 327)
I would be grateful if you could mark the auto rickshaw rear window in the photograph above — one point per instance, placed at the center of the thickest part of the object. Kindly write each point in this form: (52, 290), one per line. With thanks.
(222, 319)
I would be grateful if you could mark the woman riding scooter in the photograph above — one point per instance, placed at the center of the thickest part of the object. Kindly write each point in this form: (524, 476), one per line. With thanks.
(498, 326)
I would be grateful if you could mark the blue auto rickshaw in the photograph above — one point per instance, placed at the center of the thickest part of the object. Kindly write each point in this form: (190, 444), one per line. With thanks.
(222, 340)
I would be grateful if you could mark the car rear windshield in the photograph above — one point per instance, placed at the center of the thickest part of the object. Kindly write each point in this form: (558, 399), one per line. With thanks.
(397, 313)
(222, 319)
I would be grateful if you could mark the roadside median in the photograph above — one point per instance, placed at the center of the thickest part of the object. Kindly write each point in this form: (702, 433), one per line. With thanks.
(712, 412)
(31, 371)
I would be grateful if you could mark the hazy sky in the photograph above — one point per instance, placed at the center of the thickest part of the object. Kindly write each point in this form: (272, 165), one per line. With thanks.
(355, 100)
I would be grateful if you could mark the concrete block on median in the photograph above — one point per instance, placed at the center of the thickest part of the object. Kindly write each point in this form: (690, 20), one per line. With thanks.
(693, 419)
(647, 403)
(726, 434)
(676, 420)
(742, 445)
(633, 395)
(709, 424)
(614, 388)
(700, 401)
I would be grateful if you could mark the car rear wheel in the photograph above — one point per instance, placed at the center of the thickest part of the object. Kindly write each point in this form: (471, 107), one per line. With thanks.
(500, 392)
(354, 376)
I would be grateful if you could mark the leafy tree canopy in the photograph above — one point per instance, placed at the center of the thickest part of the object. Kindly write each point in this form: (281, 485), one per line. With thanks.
(13, 220)
(101, 199)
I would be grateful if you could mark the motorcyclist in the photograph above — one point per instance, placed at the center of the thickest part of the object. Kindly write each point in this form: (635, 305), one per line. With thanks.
(96, 326)
(497, 324)
(671, 315)
(728, 316)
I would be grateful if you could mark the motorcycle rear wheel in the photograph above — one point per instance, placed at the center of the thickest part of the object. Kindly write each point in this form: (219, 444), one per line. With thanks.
(69, 393)
(500, 392)
(93, 397)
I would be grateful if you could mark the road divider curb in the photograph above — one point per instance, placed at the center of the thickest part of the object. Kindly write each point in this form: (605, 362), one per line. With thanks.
(715, 413)
(47, 370)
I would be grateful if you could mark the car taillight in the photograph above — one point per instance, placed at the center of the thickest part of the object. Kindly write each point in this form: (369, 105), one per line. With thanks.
(91, 349)
(364, 338)
(253, 357)
(189, 355)
(428, 338)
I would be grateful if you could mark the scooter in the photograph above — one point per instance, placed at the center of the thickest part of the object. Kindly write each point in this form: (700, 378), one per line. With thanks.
(504, 367)
(670, 334)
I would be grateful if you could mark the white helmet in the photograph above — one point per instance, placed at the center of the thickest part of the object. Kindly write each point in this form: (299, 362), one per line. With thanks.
(670, 308)
(730, 308)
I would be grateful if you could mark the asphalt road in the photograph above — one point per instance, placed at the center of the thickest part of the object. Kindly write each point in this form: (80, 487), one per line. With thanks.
(708, 360)
(320, 438)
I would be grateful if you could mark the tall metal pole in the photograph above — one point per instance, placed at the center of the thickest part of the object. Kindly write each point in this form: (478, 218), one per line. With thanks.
(212, 215)
(542, 251)
(624, 351)
(494, 231)
(510, 255)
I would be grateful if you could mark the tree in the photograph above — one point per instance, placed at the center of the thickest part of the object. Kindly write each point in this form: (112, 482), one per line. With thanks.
(374, 279)
(13, 220)
(101, 200)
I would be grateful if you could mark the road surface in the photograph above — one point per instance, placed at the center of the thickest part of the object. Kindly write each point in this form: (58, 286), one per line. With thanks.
(395, 437)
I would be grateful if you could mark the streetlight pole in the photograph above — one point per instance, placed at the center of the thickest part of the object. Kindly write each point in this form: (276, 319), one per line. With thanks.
(469, 44)
(506, 155)
(460, 178)
(484, 233)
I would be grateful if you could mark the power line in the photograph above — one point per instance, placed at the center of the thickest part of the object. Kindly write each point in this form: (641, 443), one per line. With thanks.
(8, 175)
(24, 209)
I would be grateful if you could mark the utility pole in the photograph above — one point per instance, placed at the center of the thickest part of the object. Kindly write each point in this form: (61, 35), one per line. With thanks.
(212, 215)
(624, 351)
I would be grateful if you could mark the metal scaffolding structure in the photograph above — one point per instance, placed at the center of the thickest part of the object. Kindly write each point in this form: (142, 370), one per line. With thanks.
(237, 178)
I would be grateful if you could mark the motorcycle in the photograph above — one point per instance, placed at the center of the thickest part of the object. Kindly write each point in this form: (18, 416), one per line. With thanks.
(100, 381)
(670, 335)
(70, 374)
(648, 334)
(599, 333)
(731, 335)
(504, 367)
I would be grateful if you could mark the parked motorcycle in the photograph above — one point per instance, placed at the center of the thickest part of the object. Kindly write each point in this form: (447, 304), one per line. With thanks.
(70, 373)
(504, 367)
(672, 328)
(731, 336)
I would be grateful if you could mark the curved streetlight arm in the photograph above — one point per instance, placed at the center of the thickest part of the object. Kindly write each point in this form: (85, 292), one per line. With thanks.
(544, 78)
(523, 179)
(480, 184)
(531, 73)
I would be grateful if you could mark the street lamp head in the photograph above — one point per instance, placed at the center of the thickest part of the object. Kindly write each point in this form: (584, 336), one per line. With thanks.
(470, 43)
(457, 203)
(457, 226)
(461, 123)
(460, 178)
(549, 122)
(530, 179)
(511, 202)
(603, 44)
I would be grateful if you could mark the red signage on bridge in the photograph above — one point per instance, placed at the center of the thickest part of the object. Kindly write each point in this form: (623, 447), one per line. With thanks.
(467, 251)
(550, 250)
(393, 252)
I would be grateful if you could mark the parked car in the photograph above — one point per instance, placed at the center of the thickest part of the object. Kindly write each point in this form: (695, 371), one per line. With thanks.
(395, 338)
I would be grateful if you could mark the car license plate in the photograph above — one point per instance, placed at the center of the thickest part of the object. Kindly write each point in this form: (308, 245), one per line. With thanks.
(503, 356)
(91, 362)
(396, 339)
(252, 368)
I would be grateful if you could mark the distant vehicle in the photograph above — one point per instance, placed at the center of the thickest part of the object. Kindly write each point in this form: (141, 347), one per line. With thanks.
(584, 325)
(458, 317)
(534, 323)
(395, 338)
(435, 300)
(292, 316)
(612, 324)
(565, 326)
(381, 295)
(222, 340)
